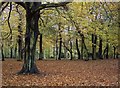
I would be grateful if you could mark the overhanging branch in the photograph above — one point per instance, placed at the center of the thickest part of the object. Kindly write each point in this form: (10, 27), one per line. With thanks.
(9, 18)
(21, 4)
(50, 5)
(2, 9)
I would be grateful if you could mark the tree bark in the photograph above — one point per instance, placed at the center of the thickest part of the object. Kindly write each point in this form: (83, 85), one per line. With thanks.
(77, 47)
(19, 44)
(29, 65)
(114, 54)
(94, 41)
(107, 50)
(60, 43)
(15, 51)
(100, 49)
(11, 53)
(71, 50)
(20, 56)
(40, 44)
(82, 47)
(60, 48)
(105, 53)
(2, 52)
(56, 49)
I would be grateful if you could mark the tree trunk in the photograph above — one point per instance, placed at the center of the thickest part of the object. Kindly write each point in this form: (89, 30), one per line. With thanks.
(60, 48)
(3, 59)
(105, 53)
(107, 50)
(40, 44)
(94, 41)
(19, 43)
(60, 43)
(32, 31)
(11, 53)
(65, 52)
(15, 51)
(82, 46)
(19, 48)
(77, 47)
(100, 49)
(71, 50)
(114, 55)
(56, 49)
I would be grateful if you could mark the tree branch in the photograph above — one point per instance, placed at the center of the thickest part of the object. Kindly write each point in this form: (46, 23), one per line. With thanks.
(21, 4)
(50, 5)
(9, 18)
(2, 9)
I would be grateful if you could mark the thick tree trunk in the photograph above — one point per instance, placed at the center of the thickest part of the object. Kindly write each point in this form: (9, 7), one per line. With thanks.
(100, 49)
(77, 47)
(40, 46)
(32, 31)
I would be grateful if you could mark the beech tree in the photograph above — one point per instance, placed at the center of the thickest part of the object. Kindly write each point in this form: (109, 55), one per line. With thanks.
(32, 16)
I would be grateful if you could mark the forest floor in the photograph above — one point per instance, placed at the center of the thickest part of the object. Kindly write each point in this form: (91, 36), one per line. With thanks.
(63, 73)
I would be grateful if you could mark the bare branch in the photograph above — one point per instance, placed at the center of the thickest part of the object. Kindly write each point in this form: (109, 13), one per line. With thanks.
(50, 5)
(1, 10)
(42, 21)
(6, 36)
(9, 18)
(21, 4)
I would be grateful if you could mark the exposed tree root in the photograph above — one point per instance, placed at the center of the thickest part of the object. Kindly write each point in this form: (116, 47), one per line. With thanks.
(33, 70)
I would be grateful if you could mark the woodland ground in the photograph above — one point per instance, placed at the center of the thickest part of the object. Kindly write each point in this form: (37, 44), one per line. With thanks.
(63, 73)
